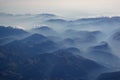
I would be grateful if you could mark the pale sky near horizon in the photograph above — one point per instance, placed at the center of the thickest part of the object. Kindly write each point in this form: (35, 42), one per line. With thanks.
(63, 7)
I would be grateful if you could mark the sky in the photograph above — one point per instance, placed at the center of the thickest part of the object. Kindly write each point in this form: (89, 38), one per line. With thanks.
(70, 8)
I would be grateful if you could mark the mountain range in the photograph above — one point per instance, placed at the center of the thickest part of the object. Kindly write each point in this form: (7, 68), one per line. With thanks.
(52, 47)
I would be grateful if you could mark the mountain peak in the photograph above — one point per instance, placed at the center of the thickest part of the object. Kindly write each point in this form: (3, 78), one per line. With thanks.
(35, 38)
(43, 28)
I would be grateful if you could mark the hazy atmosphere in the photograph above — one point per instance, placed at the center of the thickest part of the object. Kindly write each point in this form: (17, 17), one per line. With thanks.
(67, 8)
(59, 40)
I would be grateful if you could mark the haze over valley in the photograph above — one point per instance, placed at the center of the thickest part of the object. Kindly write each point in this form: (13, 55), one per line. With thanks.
(51, 47)
(59, 40)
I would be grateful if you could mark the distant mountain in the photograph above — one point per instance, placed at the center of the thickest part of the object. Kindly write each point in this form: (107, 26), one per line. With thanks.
(34, 39)
(79, 33)
(103, 54)
(45, 15)
(30, 20)
(109, 76)
(68, 41)
(8, 34)
(103, 46)
(10, 31)
(31, 45)
(116, 36)
(114, 40)
(5, 14)
(36, 15)
(58, 21)
(45, 30)
(80, 39)
(83, 36)
(101, 23)
(100, 20)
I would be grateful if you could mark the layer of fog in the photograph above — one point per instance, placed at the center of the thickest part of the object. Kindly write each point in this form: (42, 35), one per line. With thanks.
(84, 34)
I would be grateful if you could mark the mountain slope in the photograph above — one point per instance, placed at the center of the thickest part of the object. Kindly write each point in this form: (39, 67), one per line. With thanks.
(109, 76)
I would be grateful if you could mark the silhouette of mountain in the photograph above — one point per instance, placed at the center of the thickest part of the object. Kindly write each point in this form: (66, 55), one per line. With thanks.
(116, 36)
(5, 14)
(34, 39)
(100, 20)
(57, 21)
(31, 45)
(103, 46)
(83, 36)
(9, 34)
(45, 15)
(45, 30)
(103, 54)
(10, 31)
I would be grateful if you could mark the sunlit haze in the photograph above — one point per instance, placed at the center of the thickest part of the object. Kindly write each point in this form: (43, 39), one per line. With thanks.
(68, 8)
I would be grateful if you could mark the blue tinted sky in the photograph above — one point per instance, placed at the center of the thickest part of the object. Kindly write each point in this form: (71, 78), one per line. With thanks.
(63, 7)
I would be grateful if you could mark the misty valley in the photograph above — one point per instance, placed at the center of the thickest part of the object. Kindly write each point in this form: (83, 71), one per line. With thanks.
(51, 47)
